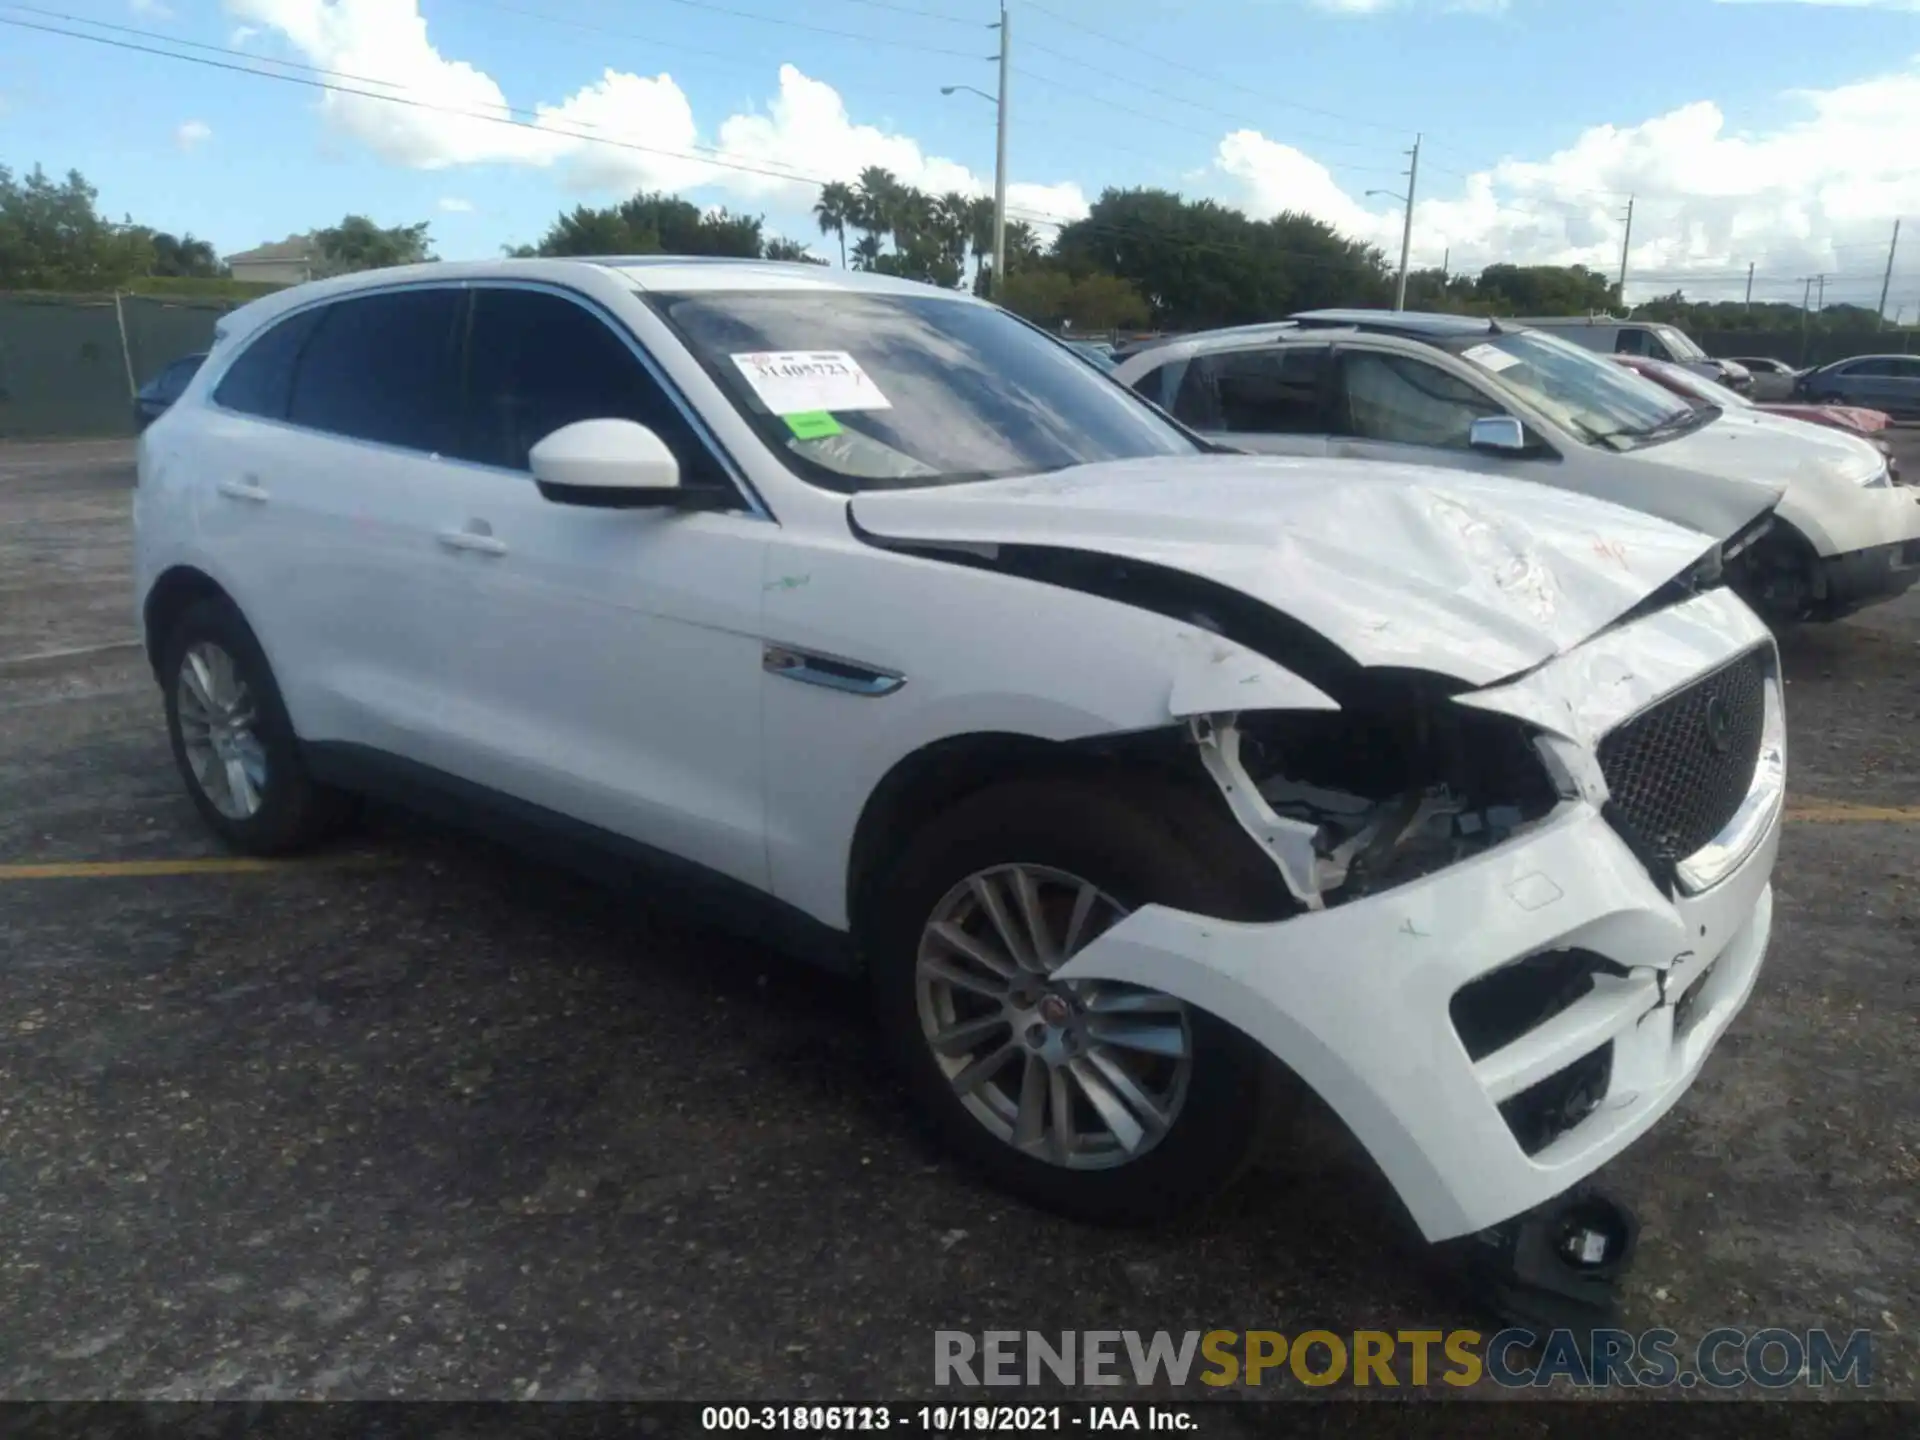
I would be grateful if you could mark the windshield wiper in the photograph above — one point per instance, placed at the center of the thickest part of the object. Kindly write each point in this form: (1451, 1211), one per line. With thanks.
(1679, 424)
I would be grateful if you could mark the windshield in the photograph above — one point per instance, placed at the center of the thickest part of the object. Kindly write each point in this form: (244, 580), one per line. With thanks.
(861, 392)
(1595, 399)
(1677, 341)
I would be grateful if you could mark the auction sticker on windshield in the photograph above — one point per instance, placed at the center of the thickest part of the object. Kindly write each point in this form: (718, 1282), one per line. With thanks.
(807, 382)
(1490, 357)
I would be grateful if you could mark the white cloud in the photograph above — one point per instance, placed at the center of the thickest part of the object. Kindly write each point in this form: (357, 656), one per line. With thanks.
(151, 9)
(804, 134)
(1819, 193)
(192, 133)
(241, 35)
(454, 205)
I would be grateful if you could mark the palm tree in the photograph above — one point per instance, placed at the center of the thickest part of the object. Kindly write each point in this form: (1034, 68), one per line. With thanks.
(878, 199)
(953, 215)
(866, 251)
(834, 209)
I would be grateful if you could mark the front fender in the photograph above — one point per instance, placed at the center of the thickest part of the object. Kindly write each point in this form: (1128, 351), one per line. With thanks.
(981, 652)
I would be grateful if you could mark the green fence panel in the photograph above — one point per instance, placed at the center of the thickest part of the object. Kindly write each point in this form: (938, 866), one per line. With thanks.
(162, 330)
(62, 371)
(65, 359)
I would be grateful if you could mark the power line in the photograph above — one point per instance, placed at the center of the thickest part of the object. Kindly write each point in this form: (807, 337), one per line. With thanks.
(1142, 86)
(1209, 76)
(708, 155)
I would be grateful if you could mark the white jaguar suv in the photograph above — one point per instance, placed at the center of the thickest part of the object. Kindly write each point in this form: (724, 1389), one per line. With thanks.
(1142, 781)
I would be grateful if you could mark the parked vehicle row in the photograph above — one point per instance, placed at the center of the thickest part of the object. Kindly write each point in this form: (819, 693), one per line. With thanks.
(1494, 397)
(1143, 782)
(1699, 391)
(1642, 337)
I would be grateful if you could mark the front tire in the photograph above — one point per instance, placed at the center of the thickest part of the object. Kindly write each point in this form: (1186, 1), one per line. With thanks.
(1106, 1102)
(233, 741)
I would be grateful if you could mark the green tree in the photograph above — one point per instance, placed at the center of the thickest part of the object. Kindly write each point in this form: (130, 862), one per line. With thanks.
(184, 256)
(356, 243)
(1051, 296)
(782, 249)
(1544, 289)
(53, 238)
(1200, 264)
(652, 223)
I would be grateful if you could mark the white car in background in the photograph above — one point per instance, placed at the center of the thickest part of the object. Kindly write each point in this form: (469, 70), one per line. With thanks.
(1133, 776)
(1474, 394)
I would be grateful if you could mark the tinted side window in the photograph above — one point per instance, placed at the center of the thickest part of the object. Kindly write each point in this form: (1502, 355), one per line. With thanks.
(260, 382)
(385, 368)
(1152, 385)
(1407, 402)
(1870, 367)
(537, 362)
(1271, 392)
(1196, 402)
(1640, 342)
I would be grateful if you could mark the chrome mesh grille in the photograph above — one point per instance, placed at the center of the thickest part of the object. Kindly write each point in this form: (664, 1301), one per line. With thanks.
(1678, 771)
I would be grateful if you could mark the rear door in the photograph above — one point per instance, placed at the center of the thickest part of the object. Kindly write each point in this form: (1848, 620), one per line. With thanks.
(1267, 399)
(326, 504)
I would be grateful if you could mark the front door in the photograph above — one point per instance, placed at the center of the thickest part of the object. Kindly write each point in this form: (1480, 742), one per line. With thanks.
(607, 663)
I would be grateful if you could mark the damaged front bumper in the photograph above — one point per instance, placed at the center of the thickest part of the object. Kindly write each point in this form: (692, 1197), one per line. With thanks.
(1496, 1030)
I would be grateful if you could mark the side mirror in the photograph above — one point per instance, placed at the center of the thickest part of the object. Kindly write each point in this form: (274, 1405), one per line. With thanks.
(1499, 433)
(615, 465)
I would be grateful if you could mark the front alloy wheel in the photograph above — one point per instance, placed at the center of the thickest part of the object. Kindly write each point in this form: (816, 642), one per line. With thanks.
(1084, 1074)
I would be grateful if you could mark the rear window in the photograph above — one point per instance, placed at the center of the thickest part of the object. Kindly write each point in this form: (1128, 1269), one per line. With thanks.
(260, 382)
(385, 368)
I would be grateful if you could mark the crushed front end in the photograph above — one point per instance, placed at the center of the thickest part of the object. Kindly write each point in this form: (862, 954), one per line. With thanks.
(1527, 912)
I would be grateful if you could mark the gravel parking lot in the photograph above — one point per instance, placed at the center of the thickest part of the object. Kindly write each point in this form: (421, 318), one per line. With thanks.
(421, 1118)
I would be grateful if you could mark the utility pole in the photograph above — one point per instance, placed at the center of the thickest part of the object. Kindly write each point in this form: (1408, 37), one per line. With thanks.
(1000, 168)
(1406, 223)
(1821, 304)
(1750, 287)
(1446, 265)
(1880, 315)
(1406, 226)
(1806, 303)
(1626, 243)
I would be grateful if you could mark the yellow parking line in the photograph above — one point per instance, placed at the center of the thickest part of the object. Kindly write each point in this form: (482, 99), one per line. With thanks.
(212, 865)
(1840, 812)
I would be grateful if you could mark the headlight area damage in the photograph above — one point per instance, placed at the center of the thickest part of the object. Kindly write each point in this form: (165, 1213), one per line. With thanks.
(1350, 804)
(1532, 874)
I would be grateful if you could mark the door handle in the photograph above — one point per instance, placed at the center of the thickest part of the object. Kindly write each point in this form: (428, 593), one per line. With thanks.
(247, 489)
(471, 540)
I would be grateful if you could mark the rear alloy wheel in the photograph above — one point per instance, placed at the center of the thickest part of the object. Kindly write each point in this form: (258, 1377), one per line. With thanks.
(233, 741)
(1105, 1101)
(217, 716)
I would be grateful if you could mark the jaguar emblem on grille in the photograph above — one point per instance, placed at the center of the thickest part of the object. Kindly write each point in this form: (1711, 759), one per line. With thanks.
(1719, 726)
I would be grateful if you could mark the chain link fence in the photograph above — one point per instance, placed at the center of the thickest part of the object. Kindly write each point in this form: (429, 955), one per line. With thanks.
(69, 364)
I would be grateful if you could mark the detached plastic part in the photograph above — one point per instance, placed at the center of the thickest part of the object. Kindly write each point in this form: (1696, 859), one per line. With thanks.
(1558, 1265)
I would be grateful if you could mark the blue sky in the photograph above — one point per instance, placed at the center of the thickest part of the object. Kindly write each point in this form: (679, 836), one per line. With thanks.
(1781, 132)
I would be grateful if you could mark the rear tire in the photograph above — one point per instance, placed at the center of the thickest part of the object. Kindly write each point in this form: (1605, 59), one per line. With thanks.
(1051, 842)
(233, 740)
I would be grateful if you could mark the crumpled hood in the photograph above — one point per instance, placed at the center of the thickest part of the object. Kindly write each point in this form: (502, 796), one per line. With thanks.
(1754, 445)
(1477, 577)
